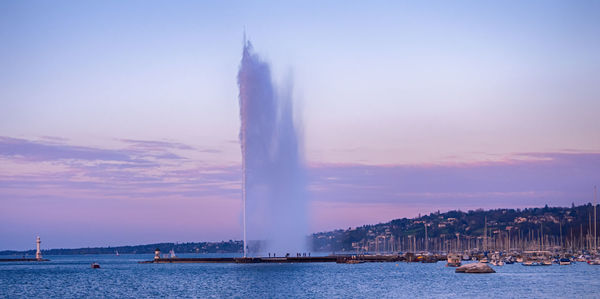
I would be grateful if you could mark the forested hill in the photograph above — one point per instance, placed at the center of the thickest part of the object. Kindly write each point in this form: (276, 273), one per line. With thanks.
(522, 227)
(201, 247)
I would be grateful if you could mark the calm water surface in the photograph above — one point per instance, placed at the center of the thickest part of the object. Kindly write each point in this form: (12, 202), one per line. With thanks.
(122, 277)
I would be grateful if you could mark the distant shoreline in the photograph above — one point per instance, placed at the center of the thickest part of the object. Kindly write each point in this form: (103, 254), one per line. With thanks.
(191, 247)
(560, 226)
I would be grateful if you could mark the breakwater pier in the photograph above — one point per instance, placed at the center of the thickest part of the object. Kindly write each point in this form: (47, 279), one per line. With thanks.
(24, 260)
(374, 258)
(244, 260)
(38, 255)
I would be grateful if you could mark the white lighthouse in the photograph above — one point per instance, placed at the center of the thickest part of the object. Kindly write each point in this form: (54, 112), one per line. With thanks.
(38, 253)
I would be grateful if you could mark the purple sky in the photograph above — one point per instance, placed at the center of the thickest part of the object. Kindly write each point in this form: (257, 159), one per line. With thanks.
(119, 121)
(152, 191)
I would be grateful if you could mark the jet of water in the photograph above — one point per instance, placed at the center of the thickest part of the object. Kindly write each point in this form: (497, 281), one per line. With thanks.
(274, 180)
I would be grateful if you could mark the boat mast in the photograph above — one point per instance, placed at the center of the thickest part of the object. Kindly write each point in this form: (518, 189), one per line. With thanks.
(589, 232)
(426, 239)
(595, 220)
(560, 241)
(508, 241)
(541, 236)
(580, 243)
(485, 233)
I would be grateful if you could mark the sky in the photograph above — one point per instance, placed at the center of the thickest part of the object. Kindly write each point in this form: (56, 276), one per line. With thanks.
(119, 121)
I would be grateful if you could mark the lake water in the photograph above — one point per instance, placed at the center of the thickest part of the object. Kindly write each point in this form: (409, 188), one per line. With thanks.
(122, 277)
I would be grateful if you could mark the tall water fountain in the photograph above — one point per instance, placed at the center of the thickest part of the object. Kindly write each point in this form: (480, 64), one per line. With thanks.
(274, 183)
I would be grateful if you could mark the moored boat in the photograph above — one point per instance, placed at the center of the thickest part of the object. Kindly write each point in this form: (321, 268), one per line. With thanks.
(546, 263)
(497, 263)
(531, 263)
(453, 260)
(594, 262)
(428, 259)
(564, 261)
(520, 259)
(497, 259)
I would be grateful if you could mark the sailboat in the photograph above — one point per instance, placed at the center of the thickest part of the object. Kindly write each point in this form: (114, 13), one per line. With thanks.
(453, 260)
(116, 252)
(172, 253)
(496, 260)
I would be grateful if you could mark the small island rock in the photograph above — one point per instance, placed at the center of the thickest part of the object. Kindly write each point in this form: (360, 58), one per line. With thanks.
(475, 268)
